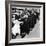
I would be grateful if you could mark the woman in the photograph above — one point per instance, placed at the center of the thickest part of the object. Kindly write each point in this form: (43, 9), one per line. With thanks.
(16, 27)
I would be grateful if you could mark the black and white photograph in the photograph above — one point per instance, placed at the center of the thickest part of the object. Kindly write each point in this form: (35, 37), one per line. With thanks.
(25, 22)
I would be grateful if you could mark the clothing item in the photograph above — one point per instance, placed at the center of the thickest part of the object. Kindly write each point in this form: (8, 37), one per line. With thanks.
(16, 27)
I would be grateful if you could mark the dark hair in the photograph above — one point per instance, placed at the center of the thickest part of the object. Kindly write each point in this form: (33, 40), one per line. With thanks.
(30, 23)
